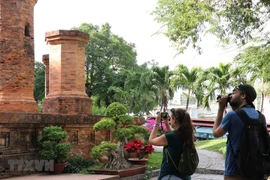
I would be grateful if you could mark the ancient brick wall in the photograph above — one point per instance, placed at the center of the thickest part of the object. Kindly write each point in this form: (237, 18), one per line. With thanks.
(19, 134)
(17, 56)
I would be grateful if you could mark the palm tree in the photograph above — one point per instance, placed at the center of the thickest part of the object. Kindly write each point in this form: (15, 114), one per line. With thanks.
(217, 80)
(254, 63)
(141, 99)
(158, 80)
(188, 80)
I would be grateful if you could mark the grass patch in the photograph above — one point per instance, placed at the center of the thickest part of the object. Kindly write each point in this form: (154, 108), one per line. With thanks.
(154, 161)
(215, 145)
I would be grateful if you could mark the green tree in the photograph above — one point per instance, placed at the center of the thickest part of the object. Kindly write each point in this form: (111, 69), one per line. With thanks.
(117, 121)
(185, 22)
(188, 80)
(157, 80)
(106, 55)
(217, 80)
(143, 98)
(254, 62)
(39, 82)
(138, 100)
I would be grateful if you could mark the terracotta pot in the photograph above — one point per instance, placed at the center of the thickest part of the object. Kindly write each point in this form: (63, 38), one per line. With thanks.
(138, 161)
(146, 155)
(133, 155)
(58, 168)
(103, 159)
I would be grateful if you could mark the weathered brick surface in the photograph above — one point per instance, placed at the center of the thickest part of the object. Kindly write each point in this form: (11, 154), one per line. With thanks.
(67, 105)
(17, 56)
(19, 134)
(66, 73)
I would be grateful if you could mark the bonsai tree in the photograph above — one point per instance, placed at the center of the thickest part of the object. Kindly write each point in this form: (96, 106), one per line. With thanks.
(52, 145)
(118, 121)
(104, 149)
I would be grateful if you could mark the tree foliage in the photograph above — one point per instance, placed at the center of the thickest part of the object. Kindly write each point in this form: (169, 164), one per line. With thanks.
(185, 22)
(39, 82)
(117, 119)
(106, 56)
(254, 63)
(53, 145)
(157, 80)
(188, 80)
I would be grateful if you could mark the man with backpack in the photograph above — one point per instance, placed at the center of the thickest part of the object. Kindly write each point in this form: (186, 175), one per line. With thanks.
(248, 139)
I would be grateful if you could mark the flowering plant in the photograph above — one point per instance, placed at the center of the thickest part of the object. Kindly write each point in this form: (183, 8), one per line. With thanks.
(148, 148)
(149, 124)
(134, 145)
(138, 146)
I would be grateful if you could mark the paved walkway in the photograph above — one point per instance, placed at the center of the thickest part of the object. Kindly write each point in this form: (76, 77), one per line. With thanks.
(211, 167)
(210, 162)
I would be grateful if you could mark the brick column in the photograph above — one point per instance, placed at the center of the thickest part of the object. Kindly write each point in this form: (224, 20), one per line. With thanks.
(17, 56)
(67, 73)
(46, 62)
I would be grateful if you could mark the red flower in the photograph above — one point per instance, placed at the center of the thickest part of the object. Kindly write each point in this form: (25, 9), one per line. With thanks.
(148, 148)
(138, 145)
(134, 145)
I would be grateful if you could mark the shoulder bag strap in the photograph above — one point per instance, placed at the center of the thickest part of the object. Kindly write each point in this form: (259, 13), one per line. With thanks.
(262, 118)
(167, 153)
(244, 118)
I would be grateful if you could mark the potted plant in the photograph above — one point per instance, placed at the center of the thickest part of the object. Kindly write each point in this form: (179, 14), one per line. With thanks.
(53, 146)
(134, 148)
(138, 151)
(147, 150)
(118, 121)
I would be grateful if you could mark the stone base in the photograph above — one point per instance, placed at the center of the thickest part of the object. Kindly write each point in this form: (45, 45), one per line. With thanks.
(67, 105)
(18, 106)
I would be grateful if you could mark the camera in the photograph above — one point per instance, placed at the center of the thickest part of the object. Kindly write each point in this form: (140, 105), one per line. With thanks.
(228, 97)
(164, 115)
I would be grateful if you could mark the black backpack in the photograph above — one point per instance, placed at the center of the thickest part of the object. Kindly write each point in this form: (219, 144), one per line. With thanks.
(253, 158)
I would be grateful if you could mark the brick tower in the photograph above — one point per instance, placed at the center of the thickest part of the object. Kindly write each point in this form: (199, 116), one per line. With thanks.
(17, 56)
(65, 93)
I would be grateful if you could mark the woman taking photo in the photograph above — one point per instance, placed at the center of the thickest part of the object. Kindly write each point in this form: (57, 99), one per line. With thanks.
(179, 131)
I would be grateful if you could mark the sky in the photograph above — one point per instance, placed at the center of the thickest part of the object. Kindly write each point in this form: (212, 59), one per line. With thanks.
(129, 19)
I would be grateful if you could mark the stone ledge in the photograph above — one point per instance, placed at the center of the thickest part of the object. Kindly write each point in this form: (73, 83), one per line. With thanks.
(67, 33)
(70, 35)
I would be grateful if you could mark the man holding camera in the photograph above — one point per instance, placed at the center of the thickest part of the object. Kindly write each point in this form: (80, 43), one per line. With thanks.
(242, 97)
